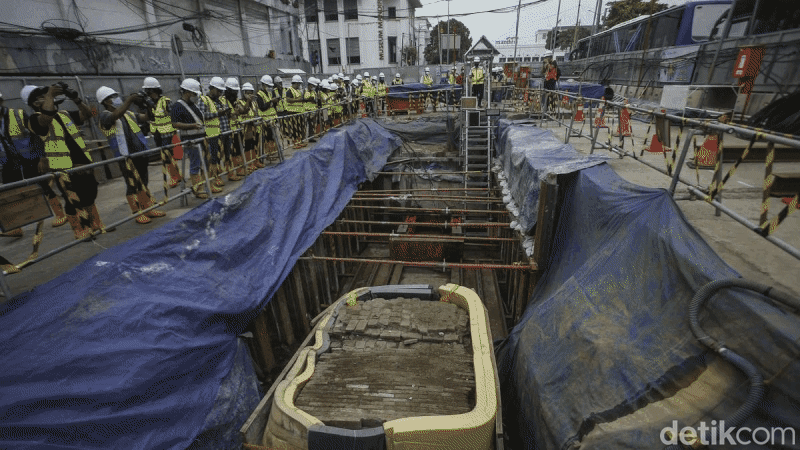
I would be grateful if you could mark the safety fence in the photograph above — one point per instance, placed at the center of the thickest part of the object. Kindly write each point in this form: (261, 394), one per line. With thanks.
(611, 127)
(254, 142)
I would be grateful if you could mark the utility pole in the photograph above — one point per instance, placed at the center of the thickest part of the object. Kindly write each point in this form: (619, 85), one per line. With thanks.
(555, 30)
(577, 24)
(516, 33)
(448, 32)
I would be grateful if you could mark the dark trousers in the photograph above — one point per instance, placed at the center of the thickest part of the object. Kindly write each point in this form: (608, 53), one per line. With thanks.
(140, 164)
(477, 91)
(84, 185)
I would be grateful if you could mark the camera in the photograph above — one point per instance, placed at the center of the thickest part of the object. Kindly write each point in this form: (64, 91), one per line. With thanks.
(145, 99)
(69, 92)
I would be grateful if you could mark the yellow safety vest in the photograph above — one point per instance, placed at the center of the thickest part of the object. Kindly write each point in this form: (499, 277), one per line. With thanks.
(426, 79)
(162, 122)
(451, 79)
(113, 139)
(281, 107)
(310, 101)
(477, 75)
(55, 142)
(397, 81)
(368, 89)
(249, 114)
(382, 89)
(270, 113)
(212, 125)
(295, 107)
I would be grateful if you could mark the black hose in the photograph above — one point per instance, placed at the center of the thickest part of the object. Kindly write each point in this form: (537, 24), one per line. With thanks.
(756, 391)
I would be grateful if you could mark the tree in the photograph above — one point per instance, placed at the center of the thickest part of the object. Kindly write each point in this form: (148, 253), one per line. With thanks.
(624, 10)
(410, 55)
(432, 51)
(565, 37)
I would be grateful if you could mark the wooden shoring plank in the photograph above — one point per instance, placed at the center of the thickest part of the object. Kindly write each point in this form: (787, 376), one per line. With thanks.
(284, 317)
(263, 342)
(300, 299)
(382, 275)
(397, 273)
(316, 297)
(494, 305)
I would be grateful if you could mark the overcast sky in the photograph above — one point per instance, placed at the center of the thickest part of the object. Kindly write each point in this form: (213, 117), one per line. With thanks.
(501, 25)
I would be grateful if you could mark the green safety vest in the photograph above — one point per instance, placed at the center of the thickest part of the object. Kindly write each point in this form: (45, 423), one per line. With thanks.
(270, 113)
(310, 101)
(477, 75)
(382, 89)
(212, 125)
(162, 122)
(368, 89)
(451, 79)
(281, 107)
(55, 142)
(295, 107)
(426, 79)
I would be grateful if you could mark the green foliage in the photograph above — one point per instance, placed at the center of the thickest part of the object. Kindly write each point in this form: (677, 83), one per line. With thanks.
(624, 10)
(565, 37)
(433, 55)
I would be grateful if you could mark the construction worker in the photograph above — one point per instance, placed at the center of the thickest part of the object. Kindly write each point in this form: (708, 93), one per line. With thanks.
(225, 110)
(382, 92)
(246, 111)
(477, 77)
(213, 115)
(265, 103)
(188, 120)
(295, 98)
(280, 105)
(237, 168)
(451, 80)
(20, 154)
(368, 91)
(65, 149)
(311, 97)
(125, 138)
(357, 91)
(427, 80)
(161, 124)
(397, 80)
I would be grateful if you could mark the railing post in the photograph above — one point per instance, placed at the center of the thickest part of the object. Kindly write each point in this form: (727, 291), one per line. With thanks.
(673, 185)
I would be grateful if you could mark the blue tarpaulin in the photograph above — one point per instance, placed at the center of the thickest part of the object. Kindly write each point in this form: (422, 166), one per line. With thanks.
(415, 89)
(603, 354)
(137, 347)
(527, 154)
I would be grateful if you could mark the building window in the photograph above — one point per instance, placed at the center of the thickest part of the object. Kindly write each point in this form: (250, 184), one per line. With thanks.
(502, 60)
(334, 57)
(315, 53)
(312, 11)
(353, 54)
(392, 49)
(391, 13)
(331, 11)
(350, 10)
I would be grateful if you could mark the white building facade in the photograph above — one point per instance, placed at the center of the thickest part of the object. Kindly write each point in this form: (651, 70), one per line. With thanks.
(347, 35)
(528, 50)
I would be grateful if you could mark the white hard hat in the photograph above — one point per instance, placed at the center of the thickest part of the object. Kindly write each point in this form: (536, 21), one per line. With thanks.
(191, 85)
(266, 79)
(358, 77)
(356, 82)
(103, 92)
(334, 77)
(366, 74)
(247, 87)
(427, 69)
(278, 79)
(25, 93)
(297, 79)
(232, 83)
(397, 75)
(346, 79)
(218, 83)
(454, 68)
(151, 83)
(382, 75)
(341, 75)
(374, 78)
(332, 87)
(476, 59)
(313, 81)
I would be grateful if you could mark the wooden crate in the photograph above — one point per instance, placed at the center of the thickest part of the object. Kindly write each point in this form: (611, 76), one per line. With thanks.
(21, 206)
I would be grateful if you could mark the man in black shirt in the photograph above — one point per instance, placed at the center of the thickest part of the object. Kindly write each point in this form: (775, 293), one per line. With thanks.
(188, 120)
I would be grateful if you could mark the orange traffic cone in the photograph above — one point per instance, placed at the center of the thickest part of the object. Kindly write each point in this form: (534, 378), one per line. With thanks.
(707, 153)
(656, 146)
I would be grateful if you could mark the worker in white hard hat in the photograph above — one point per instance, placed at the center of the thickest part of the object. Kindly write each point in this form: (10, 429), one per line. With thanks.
(381, 91)
(294, 105)
(427, 80)
(161, 125)
(266, 102)
(477, 77)
(121, 127)
(246, 111)
(238, 169)
(215, 112)
(65, 149)
(188, 120)
(311, 108)
(368, 91)
(278, 93)
(398, 80)
(20, 154)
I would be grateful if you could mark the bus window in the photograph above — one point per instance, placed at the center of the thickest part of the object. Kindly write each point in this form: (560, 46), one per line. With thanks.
(665, 30)
(705, 17)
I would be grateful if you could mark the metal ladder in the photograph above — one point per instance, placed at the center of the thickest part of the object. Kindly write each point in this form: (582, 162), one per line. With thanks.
(476, 151)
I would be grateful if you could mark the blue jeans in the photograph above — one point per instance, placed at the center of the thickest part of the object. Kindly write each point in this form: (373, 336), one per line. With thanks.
(213, 149)
(193, 153)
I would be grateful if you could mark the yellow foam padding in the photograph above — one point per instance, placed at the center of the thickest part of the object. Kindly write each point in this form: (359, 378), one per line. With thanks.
(472, 430)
